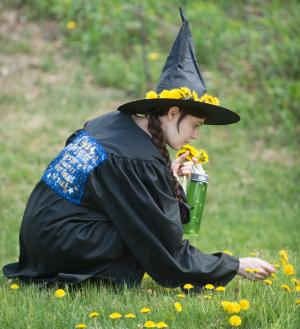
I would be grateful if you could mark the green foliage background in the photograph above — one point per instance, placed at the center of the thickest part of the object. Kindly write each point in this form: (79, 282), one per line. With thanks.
(248, 50)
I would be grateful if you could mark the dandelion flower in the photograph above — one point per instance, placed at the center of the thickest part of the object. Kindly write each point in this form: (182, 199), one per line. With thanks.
(209, 286)
(150, 95)
(178, 307)
(284, 255)
(268, 282)
(228, 252)
(71, 25)
(286, 287)
(181, 295)
(59, 293)
(161, 325)
(273, 275)
(14, 286)
(220, 288)
(235, 321)
(288, 269)
(115, 315)
(81, 325)
(244, 304)
(145, 310)
(231, 307)
(149, 324)
(93, 315)
(188, 286)
(295, 281)
(153, 56)
(297, 288)
(298, 301)
(130, 316)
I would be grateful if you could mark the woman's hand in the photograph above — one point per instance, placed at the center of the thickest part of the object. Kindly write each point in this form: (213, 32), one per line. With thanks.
(258, 269)
(180, 167)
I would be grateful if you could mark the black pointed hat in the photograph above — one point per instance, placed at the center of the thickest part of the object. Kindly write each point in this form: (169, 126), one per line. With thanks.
(181, 84)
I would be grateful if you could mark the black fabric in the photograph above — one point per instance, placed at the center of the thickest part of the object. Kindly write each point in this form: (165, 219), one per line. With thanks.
(128, 222)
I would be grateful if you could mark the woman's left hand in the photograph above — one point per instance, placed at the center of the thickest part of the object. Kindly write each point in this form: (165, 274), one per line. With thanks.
(181, 167)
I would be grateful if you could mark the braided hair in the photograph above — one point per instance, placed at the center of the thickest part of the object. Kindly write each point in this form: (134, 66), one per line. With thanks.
(158, 138)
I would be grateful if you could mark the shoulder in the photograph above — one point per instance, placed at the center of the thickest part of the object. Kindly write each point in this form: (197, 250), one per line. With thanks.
(119, 135)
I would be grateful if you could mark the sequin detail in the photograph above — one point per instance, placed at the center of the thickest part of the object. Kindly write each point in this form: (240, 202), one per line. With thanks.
(67, 174)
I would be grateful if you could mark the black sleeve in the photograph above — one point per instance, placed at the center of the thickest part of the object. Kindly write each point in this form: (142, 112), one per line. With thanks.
(138, 197)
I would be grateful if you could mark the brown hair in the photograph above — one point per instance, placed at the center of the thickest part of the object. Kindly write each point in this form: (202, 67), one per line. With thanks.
(158, 138)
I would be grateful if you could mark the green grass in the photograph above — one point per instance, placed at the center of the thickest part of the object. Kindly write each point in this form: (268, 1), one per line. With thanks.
(252, 206)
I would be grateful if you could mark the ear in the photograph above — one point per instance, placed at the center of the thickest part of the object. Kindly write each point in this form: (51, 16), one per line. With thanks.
(173, 113)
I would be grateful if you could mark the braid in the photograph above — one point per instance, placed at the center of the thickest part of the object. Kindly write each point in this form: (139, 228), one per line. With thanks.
(154, 127)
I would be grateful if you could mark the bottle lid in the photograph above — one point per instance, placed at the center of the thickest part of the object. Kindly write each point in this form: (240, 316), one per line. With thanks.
(199, 174)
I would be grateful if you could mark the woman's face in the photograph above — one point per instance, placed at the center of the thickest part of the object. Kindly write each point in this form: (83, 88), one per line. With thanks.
(187, 130)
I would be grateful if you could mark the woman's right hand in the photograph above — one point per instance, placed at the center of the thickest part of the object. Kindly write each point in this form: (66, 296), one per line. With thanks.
(261, 268)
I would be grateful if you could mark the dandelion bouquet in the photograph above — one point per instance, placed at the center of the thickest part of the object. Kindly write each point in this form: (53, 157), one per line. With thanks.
(196, 187)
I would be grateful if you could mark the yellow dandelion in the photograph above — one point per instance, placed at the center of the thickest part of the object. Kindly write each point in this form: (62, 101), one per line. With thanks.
(195, 96)
(273, 275)
(151, 95)
(206, 98)
(80, 326)
(161, 325)
(202, 157)
(298, 301)
(130, 316)
(93, 315)
(149, 324)
(235, 321)
(227, 251)
(244, 304)
(224, 303)
(284, 254)
(297, 288)
(288, 269)
(209, 286)
(295, 281)
(153, 56)
(193, 152)
(188, 286)
(71, 25)
(231, 307)
(59, 293)
(173, 93)
(220, 289)
(14, 286)
(145, 310)
(207, 297)
(268, 282)
(178, 307)
(286, 287)
(115, 315)
(181, 295)
(186, 92)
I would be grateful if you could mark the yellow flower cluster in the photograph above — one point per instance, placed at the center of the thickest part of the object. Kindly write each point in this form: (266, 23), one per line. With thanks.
(234, 308)
(183, 93)
(200, 155)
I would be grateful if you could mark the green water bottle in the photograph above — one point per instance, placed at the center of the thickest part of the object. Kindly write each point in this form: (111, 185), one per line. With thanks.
(196, 196)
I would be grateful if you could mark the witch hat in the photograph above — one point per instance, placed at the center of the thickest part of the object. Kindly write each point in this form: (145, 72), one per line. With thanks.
(181, 84)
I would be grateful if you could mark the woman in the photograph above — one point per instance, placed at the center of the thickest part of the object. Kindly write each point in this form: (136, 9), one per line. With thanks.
(109, 207)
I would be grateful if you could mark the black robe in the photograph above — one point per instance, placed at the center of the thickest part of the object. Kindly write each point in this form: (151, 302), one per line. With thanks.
(105, 209)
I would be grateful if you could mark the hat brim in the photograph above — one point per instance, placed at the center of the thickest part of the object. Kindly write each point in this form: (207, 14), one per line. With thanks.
(214, 115)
